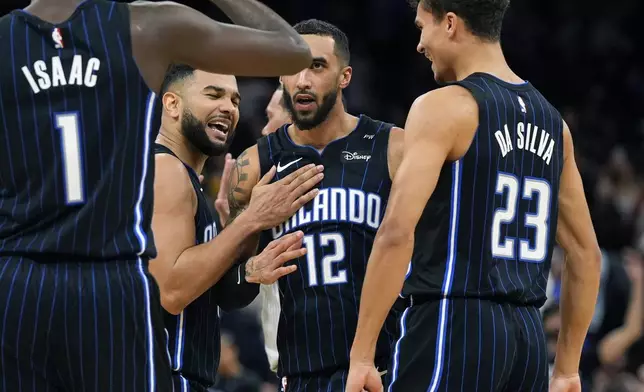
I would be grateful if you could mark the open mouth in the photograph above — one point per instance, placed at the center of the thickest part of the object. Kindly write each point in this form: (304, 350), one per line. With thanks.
(304, 101)
(219, 125)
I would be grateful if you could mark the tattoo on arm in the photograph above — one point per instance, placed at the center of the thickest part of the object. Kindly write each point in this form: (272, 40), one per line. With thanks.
(237, 195)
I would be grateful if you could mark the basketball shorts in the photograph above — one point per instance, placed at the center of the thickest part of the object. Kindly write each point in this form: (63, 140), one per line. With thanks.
(81, 326)
(469, 345)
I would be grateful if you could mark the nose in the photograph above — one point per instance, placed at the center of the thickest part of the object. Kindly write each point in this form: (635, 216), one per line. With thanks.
(420, 49)
(226, 106)
(303, 80)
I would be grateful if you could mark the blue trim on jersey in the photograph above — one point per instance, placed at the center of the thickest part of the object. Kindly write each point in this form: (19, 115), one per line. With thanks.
(140, 235)
(180, 339)
(403, 331)
(143, 239)
(452, 240)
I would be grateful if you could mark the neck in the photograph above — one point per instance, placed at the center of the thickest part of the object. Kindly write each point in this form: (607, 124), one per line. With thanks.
(337, 125)
(484, 57)
(182, 148)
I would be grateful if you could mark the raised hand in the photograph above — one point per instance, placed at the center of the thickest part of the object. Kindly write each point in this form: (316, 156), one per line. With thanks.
(268, 266)
(272, 204)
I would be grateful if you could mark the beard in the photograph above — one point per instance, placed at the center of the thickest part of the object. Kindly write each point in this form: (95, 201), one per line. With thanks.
(195, 131)
(309, 120)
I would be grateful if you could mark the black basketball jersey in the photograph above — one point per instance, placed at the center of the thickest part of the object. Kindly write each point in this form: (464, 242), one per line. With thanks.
(320, 300)
(75, 114)
(193, 335)
(488, 230)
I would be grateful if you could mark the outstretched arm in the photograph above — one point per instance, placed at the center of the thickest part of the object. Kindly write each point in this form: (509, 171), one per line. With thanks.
(429, 138)
(261, 44)
(582, 264)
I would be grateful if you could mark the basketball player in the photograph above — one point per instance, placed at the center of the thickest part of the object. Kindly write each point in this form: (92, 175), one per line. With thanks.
(487, 184)
(79, 308)
(200, 114)
(276, 113)
(319, 304)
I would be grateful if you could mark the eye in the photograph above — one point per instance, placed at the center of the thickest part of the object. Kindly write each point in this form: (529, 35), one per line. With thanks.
(317, 66)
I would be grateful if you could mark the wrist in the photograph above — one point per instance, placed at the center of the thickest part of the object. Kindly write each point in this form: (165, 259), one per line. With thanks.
(247, 223)
(248, 269)
(362, 354)
(564, 370)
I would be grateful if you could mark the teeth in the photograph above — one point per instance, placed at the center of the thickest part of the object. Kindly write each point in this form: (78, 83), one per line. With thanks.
(219, 126)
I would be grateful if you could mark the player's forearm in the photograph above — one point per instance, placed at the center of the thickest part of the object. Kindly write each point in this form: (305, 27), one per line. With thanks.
(199, 268)
(253, 14)
(383, 282)
(580, 285)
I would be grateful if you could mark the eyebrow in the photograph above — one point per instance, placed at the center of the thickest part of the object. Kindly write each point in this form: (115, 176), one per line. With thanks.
(220, 90)
(320, 60)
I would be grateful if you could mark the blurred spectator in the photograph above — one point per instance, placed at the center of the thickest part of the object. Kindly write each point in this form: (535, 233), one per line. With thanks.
(232, 376)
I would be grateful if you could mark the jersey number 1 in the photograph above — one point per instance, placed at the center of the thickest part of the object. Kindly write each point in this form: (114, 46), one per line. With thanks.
(335, 240)
(68, 125)
(505, 248)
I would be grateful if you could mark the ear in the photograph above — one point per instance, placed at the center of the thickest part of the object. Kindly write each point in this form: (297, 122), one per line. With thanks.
(451, 23)
(345, 77)
(171, 104)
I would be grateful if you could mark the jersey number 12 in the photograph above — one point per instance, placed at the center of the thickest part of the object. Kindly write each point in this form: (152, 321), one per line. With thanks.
(505, 247)
(336, 254)
(68, 125)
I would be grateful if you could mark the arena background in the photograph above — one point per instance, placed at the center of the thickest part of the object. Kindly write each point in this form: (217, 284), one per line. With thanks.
(586, 58)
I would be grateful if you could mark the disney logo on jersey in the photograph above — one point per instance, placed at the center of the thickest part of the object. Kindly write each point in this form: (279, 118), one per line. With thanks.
(355, 156)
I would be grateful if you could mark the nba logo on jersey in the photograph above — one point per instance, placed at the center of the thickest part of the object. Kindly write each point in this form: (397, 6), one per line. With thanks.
(58, 38)
(284, 382)
(523, 109)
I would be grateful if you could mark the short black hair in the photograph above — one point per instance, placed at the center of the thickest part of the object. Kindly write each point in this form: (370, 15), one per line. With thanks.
(483, 18)
(176, 73)
(326, 29)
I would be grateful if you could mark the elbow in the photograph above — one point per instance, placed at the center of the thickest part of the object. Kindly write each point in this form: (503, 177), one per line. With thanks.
(172, 302)
(395, 234)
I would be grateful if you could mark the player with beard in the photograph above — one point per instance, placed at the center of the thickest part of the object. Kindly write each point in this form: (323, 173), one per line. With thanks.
(193, 266)
(319, 304)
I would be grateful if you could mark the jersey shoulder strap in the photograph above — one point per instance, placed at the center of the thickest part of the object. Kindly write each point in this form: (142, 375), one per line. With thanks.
(267, 147)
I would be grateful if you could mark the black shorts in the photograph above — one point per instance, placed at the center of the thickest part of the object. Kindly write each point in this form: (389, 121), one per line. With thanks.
(334, 381)
(183, 384)
(90, 326)
(470, 345)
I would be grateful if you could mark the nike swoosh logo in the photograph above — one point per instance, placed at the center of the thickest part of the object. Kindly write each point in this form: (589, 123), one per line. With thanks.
(281, 168)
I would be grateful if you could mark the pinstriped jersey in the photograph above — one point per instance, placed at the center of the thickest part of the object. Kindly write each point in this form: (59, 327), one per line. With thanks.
(75, 123)
(319, 301)
(488, 230)
(193, 336)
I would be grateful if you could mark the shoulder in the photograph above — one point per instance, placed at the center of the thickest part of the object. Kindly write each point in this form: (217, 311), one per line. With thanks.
(250, 157)
(171, 179)
(451, 101)
(444, 111)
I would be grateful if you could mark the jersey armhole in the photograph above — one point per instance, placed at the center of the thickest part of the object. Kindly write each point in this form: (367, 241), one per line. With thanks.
(265, 156)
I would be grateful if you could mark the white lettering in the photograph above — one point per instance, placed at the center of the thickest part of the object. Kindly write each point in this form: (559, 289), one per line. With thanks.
(336, 205)
(53, 74)
(529, 138)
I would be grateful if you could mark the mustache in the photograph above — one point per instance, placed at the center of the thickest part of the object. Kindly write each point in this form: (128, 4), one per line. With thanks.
(305, 92)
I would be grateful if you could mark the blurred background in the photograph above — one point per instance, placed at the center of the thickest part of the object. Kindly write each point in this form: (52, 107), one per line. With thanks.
(586, 58)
